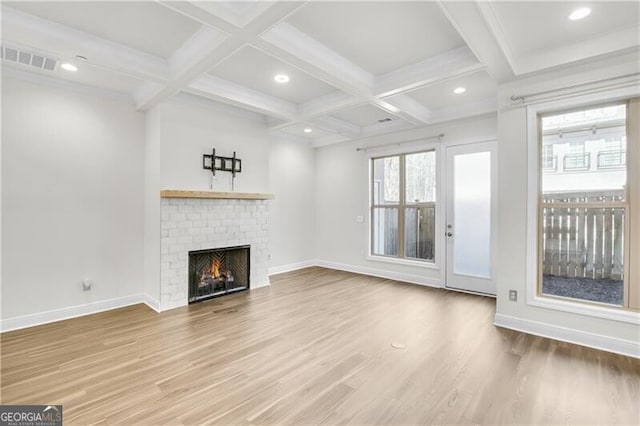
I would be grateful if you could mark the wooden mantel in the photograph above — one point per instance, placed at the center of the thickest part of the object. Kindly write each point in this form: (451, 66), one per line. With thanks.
(176, 193)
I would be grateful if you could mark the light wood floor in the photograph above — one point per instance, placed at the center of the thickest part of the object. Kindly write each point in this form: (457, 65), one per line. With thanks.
(315, 348)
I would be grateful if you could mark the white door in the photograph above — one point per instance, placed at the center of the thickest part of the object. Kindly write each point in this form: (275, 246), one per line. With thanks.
(471, 217)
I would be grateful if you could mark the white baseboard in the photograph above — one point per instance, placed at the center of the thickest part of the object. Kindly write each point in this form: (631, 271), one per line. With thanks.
(70, 312)
(266, 283)
(152, 302)
(291, 267)
(583, 338)
(380, 273)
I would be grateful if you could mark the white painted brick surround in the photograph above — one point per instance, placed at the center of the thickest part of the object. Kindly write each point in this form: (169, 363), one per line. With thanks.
(188, 224)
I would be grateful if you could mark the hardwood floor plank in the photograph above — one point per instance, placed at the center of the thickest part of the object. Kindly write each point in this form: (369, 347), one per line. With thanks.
(315, 348)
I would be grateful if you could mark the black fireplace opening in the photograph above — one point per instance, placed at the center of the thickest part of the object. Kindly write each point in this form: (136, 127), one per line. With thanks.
(219, 271)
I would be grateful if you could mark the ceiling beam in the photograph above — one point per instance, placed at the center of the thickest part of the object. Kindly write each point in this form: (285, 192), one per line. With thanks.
(409, 109)
(225, 91)
(332, 102)
(467, 19)
(197, 55)
(210, 46)
(335, 125)
(295, 47)
(451, 64)
(207, 13)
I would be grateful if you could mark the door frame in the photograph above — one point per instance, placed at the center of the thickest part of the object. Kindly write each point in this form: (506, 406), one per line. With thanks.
(460, 282)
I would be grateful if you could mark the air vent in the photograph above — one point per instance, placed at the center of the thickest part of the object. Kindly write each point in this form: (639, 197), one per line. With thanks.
(29, 59)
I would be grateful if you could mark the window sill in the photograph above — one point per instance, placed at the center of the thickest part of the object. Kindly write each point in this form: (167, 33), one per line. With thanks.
(405, 262)
(590, 310)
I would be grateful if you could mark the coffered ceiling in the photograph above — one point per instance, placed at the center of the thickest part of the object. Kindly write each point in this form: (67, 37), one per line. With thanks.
(354, 68)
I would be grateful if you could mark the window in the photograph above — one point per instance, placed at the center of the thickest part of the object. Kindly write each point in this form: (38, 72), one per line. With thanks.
(403, 206)
(584, 214)
(549, 161)
(612, 153)
(576, 158)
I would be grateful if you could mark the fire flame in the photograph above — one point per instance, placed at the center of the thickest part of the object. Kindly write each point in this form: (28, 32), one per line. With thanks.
(215, 269)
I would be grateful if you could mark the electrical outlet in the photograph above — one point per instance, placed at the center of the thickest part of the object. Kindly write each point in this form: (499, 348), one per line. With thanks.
(359, 219)
(513, 295)
(86, 285)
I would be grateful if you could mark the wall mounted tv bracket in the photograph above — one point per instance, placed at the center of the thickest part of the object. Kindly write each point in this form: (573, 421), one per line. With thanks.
(219, 163)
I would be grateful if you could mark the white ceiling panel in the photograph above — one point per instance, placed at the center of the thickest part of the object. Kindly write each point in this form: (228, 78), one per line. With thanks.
(536, 26)
(363, 116)
(254, 69)
(298, 130)
(479, 86)
(379, 36)
(241, 8)
(145, 26)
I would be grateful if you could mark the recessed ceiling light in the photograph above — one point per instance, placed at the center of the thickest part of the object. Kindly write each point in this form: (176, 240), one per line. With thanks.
(459, 90)
(281, 78)
(583, 12)
(308, 130)
(69, 67)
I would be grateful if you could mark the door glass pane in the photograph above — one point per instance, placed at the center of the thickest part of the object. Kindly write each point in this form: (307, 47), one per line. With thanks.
(386, 180)
(419, 235)
(385, 231)
(472, 214)
(420, 177)
(583, 208)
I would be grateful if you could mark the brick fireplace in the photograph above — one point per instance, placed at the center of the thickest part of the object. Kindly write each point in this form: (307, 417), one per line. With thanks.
(197, 221)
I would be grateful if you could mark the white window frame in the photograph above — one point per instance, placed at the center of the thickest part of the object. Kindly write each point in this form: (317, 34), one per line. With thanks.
(533, 173)
(439, 225)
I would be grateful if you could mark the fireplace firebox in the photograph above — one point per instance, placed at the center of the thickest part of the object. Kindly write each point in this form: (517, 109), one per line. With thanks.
(216, 272)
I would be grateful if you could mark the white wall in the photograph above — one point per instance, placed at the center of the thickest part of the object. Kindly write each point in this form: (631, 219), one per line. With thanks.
(292, 215)
(342, 195)
(512, 189)
(72, 198)
(190, 130)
